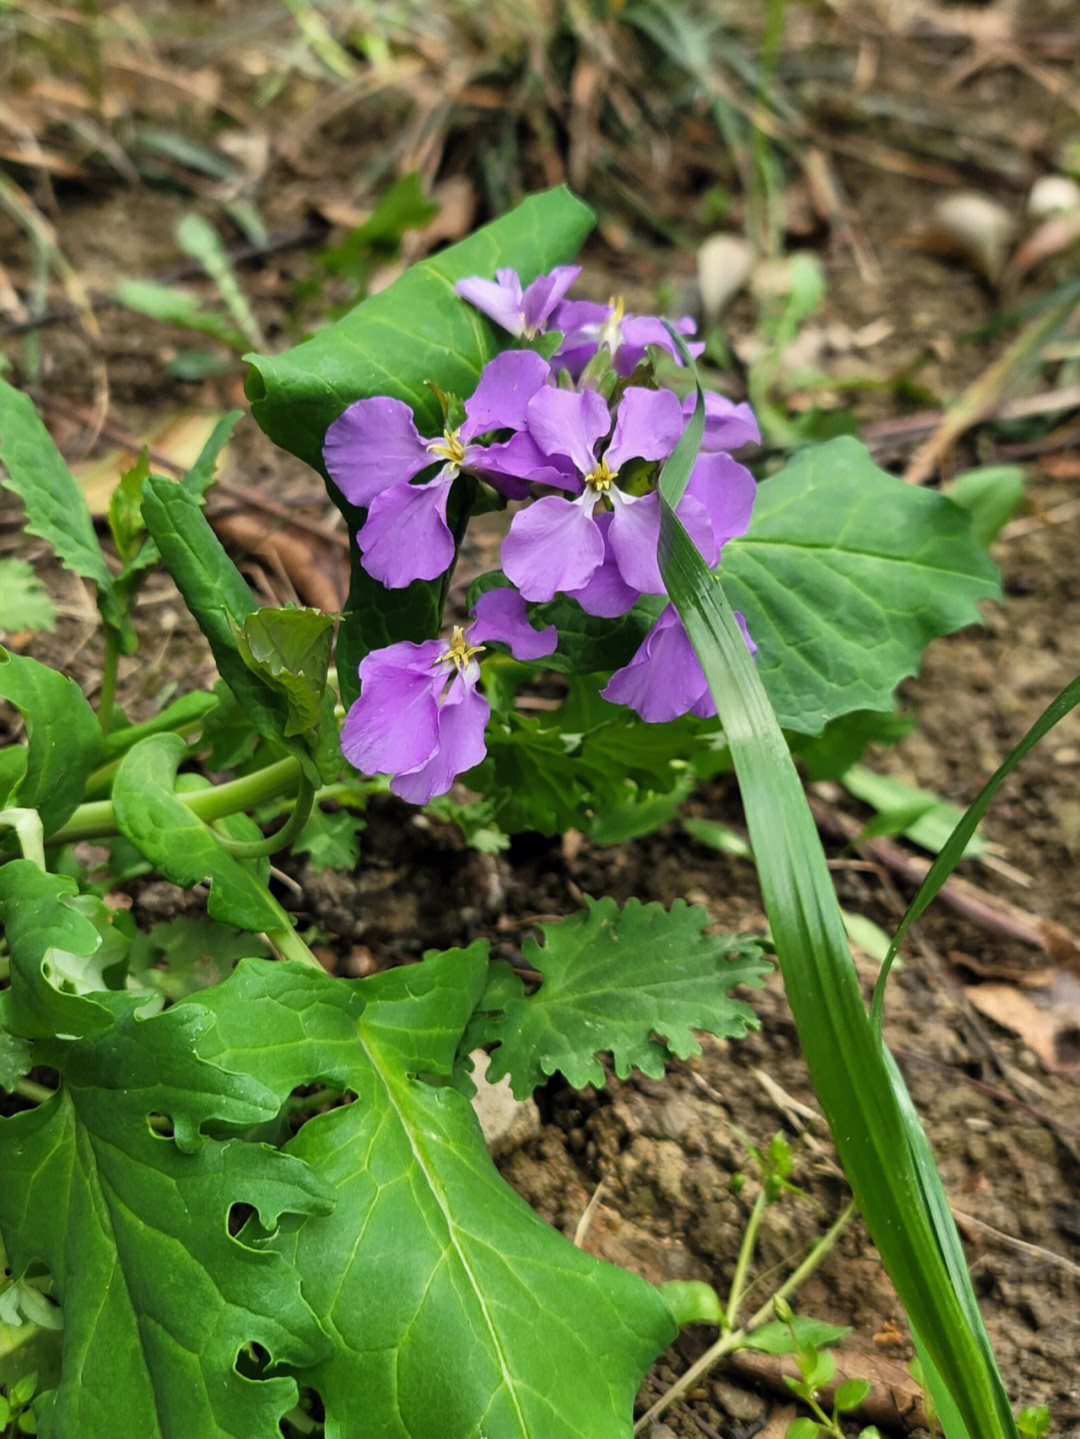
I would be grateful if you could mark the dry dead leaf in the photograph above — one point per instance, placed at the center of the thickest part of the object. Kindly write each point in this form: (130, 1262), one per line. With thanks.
(175, 443)
(1046, 1017)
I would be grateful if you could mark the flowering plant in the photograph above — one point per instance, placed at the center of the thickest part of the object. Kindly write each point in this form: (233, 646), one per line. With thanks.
(256, 1200)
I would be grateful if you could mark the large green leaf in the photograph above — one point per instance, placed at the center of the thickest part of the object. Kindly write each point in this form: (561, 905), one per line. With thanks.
(158, 1298)
(634, 983)
(63, 738)
(155, 819)
(393, 343)
(454, 1311)
(844, 577)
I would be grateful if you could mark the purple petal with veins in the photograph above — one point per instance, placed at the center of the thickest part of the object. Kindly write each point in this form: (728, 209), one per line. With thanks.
(501, 616)
(405, 536)
(648, 426)
(462, 719)
(606, 593)
(510, 466)
(664, 679)
(726, 490)
(506, 385)
(394, 723)
(568, 424)
(372, 445)
(553, 544)
(728, 425)
(544, 294)
(500, 299)
(637, 332)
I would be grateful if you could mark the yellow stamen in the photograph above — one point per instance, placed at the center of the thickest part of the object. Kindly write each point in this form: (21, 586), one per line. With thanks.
(458, 652)
(601, 478)
(449, 447)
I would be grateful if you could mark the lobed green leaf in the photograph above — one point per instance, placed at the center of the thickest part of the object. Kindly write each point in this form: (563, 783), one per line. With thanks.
(634, 983)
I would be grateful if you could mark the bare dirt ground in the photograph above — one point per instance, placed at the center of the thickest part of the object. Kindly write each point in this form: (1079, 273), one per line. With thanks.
(897, 108)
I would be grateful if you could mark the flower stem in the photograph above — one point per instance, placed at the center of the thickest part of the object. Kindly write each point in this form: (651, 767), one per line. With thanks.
(97, 819)
(271, 843)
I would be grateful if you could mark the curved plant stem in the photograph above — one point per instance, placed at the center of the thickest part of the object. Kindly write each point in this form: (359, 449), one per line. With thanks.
(271, 843)
(98, 821)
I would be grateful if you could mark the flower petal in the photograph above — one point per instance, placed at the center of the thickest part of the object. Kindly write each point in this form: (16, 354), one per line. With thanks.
(634, 533)
(405, 536)
(544, 294)
(372, 445)
(664, 679)
(727, 490)
(637, 332)
(501, 616)
(568, 424)
(393, 725)
(606, 593)
(648, 426)
(500, 299)
(727, 425)
(506, 385)
(553, 544)
(510, 466)
(463, 717)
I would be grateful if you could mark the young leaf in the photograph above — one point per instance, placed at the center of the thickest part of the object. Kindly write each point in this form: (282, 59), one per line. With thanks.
(63, 738)
(844, 577)
(158, 1299)
(216, 594)
(614, 980)
(152, 816)
(433, 1279)
(290, 650)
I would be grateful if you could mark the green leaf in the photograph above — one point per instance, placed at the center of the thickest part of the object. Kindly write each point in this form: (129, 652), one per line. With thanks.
(803, 1428)
(24, 601)
(15, 1060)
(158, 1298)
(330, 840)
(53, 937)
(152, 816)
(56, 508)
(63, 738)
(850, 1394)
(414, 331)
(173, 306)
(197, 952)
(290, 650)
(454, 1310)
(634, 983)
(218, 597)
(844, 740)
(777, 1338)
(991, 495)
(844, 577)
(919, 815)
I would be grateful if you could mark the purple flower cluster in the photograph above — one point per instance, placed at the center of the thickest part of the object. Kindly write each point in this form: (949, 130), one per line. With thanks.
(540, 432)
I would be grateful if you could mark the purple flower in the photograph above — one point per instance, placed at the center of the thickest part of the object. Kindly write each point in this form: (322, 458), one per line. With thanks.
(373, 451)
(588, 327)
(664, 679)
(419, 717)
(603, 560)
(523, 312)
(728, 425)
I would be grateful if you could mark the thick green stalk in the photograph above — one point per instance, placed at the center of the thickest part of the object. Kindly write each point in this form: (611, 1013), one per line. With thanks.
(97, 820)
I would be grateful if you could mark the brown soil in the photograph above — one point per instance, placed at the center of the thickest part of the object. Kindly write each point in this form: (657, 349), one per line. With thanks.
(1003, 1125)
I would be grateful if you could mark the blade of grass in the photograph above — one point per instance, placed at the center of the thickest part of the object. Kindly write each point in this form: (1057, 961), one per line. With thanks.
(875, 1128)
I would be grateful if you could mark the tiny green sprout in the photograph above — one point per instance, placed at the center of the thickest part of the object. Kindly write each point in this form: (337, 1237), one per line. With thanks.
(1033, 1421)
(737, 1182)
(15, 1409)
